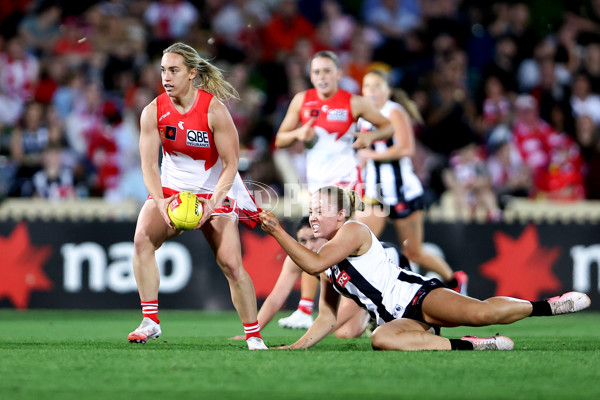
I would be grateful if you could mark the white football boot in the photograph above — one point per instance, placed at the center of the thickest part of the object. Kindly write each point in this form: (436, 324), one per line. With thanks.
(495, 342)
(256, 343)
(569, 303)
(148, 329)
(298, 320)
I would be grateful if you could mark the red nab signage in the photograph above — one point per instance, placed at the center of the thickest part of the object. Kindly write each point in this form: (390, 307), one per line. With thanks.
(22, 267)
(262, 258)
(522, 267)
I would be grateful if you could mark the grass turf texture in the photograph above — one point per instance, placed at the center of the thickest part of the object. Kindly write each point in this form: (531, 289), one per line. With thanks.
(85, 355)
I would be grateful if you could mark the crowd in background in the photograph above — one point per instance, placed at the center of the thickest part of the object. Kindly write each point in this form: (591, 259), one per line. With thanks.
(508, 91)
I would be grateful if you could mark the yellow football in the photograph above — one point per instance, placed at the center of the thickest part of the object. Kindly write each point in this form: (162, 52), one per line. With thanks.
(185, 211)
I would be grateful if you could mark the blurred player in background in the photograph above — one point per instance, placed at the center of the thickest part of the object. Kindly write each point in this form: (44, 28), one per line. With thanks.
(200, 154)
(392, 189)
(406, 306)
(324, 119)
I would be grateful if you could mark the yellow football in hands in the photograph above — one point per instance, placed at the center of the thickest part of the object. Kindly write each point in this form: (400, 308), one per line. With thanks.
(185, 211)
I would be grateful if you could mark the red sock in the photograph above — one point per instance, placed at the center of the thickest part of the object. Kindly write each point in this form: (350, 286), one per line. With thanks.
(252, 329)
(150, 310)
(305, 305)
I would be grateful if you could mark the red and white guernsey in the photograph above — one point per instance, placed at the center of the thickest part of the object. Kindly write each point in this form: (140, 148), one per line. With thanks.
(331, 161)
(190, 159)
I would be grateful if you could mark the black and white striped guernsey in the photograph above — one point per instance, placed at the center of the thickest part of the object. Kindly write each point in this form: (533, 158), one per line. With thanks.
(393, 181)
(376, 283)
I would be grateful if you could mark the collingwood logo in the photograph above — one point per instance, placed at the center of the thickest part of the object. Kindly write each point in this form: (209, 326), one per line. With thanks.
(197, 138)
(339, 114)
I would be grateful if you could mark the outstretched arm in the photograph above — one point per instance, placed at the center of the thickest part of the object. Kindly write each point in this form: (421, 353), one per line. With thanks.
(404, 142)
(363, 107)
(227, 143)
(326, 319)
(290, 273)
(347, 241)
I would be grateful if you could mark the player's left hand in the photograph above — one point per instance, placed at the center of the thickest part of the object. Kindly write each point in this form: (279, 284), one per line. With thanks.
(208, 207)
(162, 205)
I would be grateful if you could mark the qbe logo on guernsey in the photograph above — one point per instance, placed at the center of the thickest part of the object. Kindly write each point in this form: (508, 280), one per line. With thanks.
(197, 138)
(337, 115)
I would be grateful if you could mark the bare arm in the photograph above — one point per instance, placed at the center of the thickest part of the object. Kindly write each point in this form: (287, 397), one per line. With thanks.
(325, 321)
(289, 131)
(227, 144)
(349, 240)
(404, 136)
(363, 107)
(149, 148)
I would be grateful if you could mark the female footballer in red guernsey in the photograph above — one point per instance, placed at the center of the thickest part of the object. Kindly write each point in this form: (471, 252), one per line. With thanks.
(324, 119)
(200, 155)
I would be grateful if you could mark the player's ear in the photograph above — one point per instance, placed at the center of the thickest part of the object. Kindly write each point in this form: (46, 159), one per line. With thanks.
(193, 73)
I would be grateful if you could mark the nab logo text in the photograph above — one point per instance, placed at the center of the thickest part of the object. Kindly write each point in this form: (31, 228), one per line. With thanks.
(197, 138)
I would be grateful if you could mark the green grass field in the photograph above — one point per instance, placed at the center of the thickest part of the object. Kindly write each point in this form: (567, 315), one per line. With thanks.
(85, 355)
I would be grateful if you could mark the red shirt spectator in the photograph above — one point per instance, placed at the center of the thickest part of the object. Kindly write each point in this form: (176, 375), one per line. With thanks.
(554, 158)
(531, 133)
(563, 178)
(18, 78)
(18, 71)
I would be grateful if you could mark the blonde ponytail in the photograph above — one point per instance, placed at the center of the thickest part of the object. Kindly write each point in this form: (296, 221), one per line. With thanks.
(409, 105)
(355, 204)
(345, 199)
(208, 77)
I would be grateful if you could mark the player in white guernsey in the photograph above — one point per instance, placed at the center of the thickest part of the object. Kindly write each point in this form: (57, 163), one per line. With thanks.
(200, 147)
(405, 305)
(392, 189)
(353, 326)
(324, 119)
